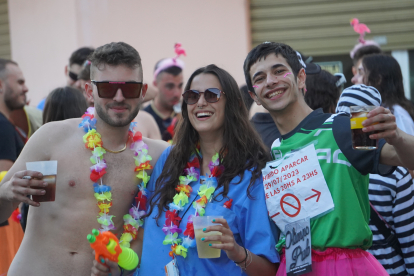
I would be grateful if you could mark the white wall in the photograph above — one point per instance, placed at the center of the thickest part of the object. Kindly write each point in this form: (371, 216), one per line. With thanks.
(404, 60)
(45, 32)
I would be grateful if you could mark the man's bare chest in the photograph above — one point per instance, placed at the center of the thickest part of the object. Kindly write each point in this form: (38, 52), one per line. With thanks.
(74, 172)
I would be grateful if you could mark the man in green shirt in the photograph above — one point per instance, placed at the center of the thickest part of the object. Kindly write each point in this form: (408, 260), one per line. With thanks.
(275, 75)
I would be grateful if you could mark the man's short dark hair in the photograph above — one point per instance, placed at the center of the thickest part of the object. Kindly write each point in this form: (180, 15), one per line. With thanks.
(364, 51)
(80, 55)
(3, 64)
(322, 91)
(265, 49)
(85, 73)
(114, 54)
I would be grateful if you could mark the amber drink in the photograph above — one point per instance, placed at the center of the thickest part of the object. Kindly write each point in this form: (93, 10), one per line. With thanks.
(49, 171)
(50, 189)
(360, 139)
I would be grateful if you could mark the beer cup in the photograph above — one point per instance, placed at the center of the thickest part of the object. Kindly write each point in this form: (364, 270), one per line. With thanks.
(360, 139)
(49, 171)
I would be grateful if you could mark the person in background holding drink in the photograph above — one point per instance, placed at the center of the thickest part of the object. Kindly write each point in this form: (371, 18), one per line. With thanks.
(214, 138)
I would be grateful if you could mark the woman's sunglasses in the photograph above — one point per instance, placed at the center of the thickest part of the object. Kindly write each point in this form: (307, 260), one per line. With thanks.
(107, 89)
(211, 95)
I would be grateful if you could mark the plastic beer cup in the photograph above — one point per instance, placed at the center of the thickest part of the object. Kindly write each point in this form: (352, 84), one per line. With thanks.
(203, 249)
(360, 139)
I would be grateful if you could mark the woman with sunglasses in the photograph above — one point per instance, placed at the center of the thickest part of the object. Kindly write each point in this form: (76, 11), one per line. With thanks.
(212, 169)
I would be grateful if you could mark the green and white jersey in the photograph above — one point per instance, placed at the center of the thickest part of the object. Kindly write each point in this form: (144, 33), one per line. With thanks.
(346, 173)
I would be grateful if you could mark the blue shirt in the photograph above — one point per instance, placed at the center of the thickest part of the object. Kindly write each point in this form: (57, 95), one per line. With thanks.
(247, 219)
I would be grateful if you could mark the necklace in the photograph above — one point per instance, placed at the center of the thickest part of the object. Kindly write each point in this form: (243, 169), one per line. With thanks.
(102, 193)
(115, 151)
(171, 228)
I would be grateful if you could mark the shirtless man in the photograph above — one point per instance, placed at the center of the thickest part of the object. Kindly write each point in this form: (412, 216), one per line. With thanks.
(55, 240)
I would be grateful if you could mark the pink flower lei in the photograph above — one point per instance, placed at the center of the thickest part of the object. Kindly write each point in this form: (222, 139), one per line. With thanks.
(102, 193)
(179, 246)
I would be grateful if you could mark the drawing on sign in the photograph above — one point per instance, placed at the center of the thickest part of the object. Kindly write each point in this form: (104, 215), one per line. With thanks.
(318, 194)
(275, 215)
(296, 206)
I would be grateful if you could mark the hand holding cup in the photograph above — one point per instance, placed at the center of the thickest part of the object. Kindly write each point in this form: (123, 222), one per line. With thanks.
(383, 122)
(22, 184)
(225, 239)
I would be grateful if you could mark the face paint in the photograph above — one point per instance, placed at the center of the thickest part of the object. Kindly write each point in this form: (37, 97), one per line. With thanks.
(287, 74)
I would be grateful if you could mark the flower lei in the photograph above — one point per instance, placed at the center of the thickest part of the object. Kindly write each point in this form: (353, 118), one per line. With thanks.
(171, 228)
(102, 193)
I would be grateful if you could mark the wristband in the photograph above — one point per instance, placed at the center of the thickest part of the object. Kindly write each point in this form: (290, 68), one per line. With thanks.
(245, 251)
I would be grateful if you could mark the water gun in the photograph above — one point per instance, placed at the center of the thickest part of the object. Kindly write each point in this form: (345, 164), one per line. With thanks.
(106, 245)
(2, 174)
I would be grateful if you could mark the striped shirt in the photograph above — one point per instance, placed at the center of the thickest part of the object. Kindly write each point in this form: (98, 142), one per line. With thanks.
(392, 196)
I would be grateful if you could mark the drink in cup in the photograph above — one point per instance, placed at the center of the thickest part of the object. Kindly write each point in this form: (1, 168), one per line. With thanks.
(49, 171)
(203, 249)
(360, 139)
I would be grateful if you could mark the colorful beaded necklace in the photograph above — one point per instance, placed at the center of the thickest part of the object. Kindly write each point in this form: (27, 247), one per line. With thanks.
(102, 193)
(179, 246)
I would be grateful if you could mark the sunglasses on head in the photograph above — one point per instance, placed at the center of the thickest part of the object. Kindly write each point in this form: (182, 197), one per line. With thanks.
(73, 76)
(211, 95)
(107, 89)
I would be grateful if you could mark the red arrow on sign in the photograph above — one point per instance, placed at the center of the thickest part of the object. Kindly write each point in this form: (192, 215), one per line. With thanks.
(318, 194)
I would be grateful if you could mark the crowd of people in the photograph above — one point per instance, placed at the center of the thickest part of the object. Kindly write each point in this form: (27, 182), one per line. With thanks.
(194, 151)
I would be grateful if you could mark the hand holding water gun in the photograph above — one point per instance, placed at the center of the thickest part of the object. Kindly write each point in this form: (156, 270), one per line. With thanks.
(106, 245)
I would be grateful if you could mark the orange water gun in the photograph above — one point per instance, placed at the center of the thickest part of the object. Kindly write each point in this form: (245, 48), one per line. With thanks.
(106, 245)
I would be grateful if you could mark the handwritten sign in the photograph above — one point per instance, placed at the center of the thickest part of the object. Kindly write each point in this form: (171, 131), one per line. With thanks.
(298, 247)
(295, 187)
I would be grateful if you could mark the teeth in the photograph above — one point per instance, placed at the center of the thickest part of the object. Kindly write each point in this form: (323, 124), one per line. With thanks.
(275, 93)
(204, 114)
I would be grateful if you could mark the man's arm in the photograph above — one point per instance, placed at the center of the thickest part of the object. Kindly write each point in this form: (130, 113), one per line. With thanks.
(5, 165)
(15, 186)
(399, 150)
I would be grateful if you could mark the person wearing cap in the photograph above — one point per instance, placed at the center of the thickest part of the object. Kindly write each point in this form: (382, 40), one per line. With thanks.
(275, 75)
(168, 79)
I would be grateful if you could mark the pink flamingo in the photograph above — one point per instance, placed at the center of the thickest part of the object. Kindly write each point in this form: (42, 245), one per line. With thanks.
(360, 28)
(179, 50)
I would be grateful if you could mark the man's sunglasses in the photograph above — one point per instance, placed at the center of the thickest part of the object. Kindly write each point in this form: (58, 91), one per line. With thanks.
(107, 89)
(211, 95)
(73, 76)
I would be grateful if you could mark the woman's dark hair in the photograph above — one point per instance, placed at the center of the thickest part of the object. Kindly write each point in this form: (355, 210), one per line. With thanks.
(384, 73)
(322, 91)
(242, 147)
(64, 103)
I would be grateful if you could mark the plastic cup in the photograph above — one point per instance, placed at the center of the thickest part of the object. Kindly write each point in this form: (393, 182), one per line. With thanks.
(360, 139)
(49, 171)
(203, 249)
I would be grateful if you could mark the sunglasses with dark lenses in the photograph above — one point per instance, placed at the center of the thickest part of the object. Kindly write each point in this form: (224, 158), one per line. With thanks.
(107, 89)
(73, 76)
(211, 95)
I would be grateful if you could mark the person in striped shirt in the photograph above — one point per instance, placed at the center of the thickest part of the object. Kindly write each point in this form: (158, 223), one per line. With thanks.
(391, 196)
